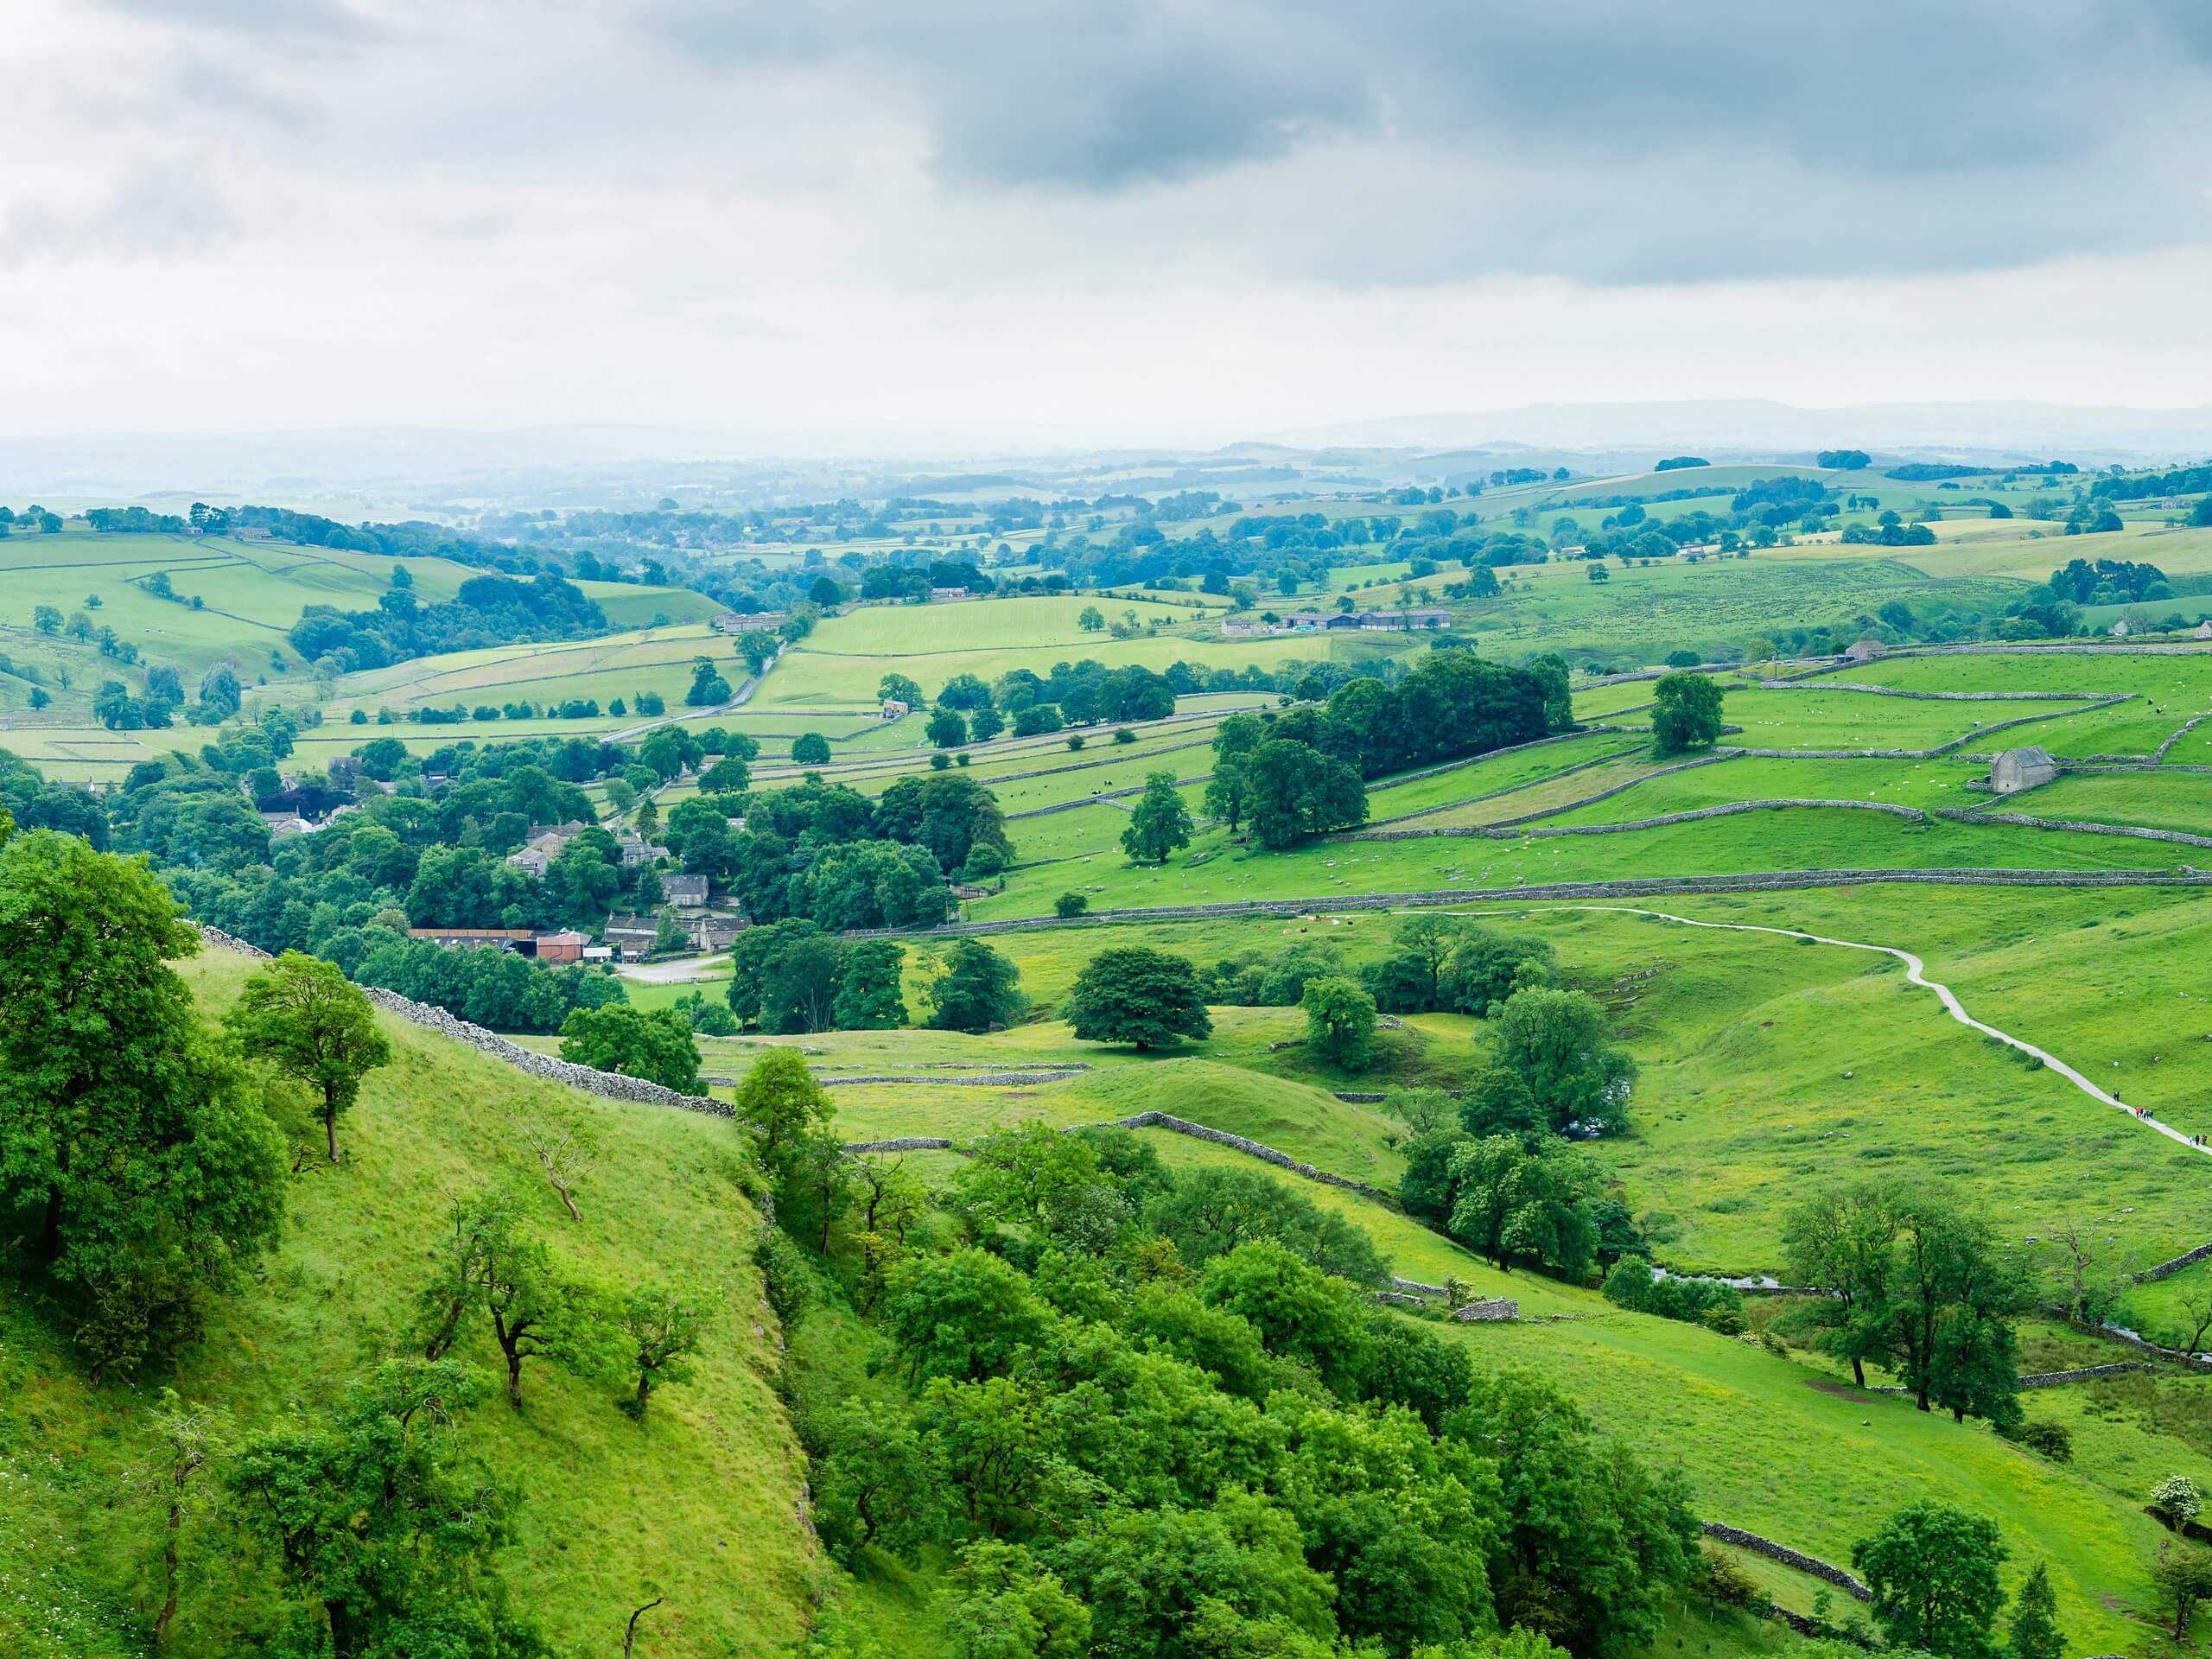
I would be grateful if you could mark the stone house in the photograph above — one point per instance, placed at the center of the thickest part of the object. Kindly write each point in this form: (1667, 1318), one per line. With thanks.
(684, 892)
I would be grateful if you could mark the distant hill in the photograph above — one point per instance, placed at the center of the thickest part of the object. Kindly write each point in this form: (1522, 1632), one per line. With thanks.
(2011, 430)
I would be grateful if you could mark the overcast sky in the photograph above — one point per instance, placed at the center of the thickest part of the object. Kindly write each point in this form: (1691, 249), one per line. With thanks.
(1079, 217)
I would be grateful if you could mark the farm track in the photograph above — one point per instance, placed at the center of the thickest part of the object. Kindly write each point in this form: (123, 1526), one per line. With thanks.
(1917, 973)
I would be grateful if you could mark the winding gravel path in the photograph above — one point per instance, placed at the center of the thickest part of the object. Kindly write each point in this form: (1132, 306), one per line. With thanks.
(1915, 972)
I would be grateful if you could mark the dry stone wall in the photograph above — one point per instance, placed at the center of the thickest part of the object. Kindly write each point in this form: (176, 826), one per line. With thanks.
(1634, 887)
(2081, 827)
(2167, 1269)
(1788, 1557)
(1500, 832)
(609, 1084)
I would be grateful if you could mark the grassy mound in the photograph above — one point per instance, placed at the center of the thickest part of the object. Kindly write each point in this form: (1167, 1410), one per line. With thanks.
(699, 1505)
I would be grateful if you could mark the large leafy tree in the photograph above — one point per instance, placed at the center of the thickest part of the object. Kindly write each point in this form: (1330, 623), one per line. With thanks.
(304, 1016)
(1932, 1570)
(382, 1532)
(1295, 792)
(779, 1104)
(1138, 995)
(1515, 1203)
(1844, 1240)
(1001, 1603)
(1210, 1211)
(1339, 1021)
(1592, 1542)
(974, 989)
(133, 1153)
(868, 996)
(1559, 1044)
(1159, 823)
(1686, 713)
(654, 1045)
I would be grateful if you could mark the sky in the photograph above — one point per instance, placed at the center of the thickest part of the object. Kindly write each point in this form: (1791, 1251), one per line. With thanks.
(1089, 219)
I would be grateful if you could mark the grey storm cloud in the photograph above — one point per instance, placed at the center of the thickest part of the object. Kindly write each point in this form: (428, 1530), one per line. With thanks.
(1384, 142)
(1103, 96)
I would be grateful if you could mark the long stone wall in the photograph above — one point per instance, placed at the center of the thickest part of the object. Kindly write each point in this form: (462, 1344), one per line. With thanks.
(1636, 888)
(1102, 798)
(2188, 726)
(1499, 832)
(1510, 789)
(2078, 826)
(1788, 1557)
(2167, 1269)
(1793, 681)
(609, 1084)
(2084, 1374)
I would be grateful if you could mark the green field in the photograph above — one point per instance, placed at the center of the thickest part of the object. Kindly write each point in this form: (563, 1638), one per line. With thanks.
(251, 592)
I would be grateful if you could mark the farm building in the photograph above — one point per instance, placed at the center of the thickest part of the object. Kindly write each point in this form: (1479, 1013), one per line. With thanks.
(752, 622)
(561, 947)
(521, 940)
(631, 937)
(893, 709)
(1866, 650)
(2018, 769)
(1409, 619)
(684, 892)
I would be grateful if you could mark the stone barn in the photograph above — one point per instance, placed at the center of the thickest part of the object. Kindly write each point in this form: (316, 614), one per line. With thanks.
(2018, 769)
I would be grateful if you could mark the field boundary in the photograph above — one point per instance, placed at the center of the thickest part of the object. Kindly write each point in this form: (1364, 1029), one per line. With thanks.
(1504, 832)
(1755, 881)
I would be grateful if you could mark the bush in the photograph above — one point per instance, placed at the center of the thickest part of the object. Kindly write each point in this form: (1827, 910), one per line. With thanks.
(2177, 1499)
(1719, 1580)
(2053, 1440)
(1074, 740)
(1124, 734)
(1070, 904)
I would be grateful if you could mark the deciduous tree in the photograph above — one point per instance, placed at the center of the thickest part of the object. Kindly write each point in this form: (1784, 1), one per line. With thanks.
(303, 1015)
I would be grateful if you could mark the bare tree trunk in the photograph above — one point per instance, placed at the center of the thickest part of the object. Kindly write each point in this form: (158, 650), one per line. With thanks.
(168, 1565)
(330, 1126)
(1858, 1370)
(630, 1635)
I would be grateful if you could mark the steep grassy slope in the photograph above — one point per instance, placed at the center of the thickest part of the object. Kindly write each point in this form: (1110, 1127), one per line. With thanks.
(699, 1505)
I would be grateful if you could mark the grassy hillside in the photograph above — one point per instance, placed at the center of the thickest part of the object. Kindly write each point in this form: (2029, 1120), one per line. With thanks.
(1773, 1442)
(698, 1505)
